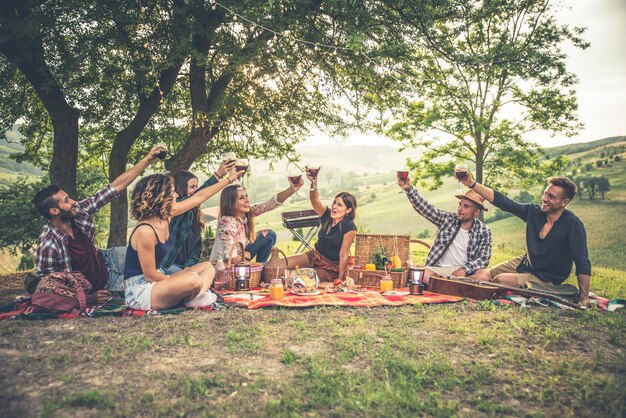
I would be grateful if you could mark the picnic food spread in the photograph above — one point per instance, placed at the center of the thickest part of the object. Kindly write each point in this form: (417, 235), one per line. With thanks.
(304, 281)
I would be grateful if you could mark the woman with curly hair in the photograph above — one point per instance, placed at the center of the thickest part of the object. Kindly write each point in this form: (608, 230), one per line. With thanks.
(186, 228)
(153, 204)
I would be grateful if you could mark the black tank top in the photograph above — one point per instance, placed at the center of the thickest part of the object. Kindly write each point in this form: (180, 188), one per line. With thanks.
(132, 266)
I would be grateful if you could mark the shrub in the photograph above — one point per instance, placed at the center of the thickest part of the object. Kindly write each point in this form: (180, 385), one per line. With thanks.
(27, 262)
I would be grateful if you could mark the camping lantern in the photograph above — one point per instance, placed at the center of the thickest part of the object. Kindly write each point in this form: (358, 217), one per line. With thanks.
(242, 274)
(415, 275)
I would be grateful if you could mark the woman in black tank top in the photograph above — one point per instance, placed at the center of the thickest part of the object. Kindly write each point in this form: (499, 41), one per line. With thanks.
(153, 204)
(336, 235)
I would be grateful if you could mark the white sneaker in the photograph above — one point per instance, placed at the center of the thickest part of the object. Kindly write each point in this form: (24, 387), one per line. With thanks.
(202, 300)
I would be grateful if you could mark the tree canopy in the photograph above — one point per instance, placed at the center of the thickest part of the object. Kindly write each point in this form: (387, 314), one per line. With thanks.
(253, 77)
(485, 75)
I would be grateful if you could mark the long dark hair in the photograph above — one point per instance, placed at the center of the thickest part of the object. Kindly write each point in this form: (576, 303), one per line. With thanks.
(228, 203)
(181, 179)
(350, 201)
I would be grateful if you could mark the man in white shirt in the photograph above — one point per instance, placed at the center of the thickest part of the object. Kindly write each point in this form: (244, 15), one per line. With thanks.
(463, 244)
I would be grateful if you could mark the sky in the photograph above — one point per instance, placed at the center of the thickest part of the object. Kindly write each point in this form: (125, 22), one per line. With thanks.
(601, 69)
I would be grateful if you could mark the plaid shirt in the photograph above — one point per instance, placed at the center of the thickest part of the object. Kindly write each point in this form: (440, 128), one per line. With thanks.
(479, 246)
(52, 247)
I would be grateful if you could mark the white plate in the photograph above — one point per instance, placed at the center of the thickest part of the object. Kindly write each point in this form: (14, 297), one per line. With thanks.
(317, 292)
(396, 293)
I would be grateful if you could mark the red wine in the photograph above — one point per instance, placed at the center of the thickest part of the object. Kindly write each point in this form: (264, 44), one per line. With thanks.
(295, 179)
(162, 154)
(241, 167)
(403, 175)
(460, 175)
(313, 172)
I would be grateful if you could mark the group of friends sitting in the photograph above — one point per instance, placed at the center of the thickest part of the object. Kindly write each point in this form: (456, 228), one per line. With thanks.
(162, 266)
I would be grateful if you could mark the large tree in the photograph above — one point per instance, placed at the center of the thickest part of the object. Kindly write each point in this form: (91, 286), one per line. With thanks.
(485, 75)
(193, 76)
(23, 30)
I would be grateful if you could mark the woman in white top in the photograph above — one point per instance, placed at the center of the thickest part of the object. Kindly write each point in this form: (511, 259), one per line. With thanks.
(236, 223)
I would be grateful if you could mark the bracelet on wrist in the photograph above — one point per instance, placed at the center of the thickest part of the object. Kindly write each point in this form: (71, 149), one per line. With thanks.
(312, 189)
(472, 185)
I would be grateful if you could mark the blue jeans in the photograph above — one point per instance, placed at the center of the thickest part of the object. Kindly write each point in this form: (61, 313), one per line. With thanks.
(114, 258)
(262, 246)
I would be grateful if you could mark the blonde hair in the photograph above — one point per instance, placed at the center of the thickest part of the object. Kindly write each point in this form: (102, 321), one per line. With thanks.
(153, 196)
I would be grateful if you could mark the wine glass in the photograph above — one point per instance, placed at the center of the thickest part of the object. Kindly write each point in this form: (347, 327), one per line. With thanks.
(403, 175)
(242, 164)
(163, 152)
(460, 171)
(295, 177)
(229, 157)
(313, 169)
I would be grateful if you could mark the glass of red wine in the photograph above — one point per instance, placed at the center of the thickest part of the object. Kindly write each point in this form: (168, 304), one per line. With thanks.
(242, 164)
(313, 169)
(403, 175)
(230, 157)
(163, 152)
(460, 172)
(295, 177)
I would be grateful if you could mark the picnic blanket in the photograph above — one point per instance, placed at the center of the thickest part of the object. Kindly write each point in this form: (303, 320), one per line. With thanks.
(595, 301)
(115, 306)
(369, 298)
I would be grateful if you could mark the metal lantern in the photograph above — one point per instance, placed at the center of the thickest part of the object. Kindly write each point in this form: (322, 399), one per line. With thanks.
(242, 275)
(415, 275)
(242, 270)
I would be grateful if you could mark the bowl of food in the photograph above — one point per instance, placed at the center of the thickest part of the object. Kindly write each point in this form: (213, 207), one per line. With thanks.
(305, 282)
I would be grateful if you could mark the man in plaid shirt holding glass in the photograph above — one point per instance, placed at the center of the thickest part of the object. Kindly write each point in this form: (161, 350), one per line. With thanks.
(66, 240)
(463, 244)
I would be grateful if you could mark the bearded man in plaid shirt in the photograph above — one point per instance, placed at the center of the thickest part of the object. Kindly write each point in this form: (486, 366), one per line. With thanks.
(66, 240)
(463, 244)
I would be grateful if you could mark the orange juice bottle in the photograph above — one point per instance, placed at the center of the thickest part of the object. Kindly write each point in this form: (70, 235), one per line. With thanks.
(276, 289)
(386, 283)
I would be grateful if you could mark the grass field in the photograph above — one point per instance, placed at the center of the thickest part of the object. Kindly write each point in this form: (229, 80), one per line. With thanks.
(464, 359)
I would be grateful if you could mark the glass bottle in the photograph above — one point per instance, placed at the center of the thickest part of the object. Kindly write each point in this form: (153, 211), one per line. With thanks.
(221, 279)
(277, 291)
(386, 284)
(219, 265)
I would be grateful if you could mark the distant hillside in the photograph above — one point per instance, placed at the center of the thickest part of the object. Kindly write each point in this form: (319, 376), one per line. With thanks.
(584, 146)
(364, 159)
(9, 168)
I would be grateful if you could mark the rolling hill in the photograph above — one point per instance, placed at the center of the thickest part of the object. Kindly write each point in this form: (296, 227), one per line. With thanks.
(10, 169)
(369, 172)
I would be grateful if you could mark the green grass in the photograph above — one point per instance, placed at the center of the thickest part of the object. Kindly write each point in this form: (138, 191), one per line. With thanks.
(467, 359)
(464, 359)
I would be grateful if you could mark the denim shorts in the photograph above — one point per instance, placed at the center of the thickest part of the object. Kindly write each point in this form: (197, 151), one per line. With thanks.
(138, 292)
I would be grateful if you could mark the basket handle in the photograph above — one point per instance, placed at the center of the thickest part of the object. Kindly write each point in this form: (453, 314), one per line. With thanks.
(284, 256)
(230, 254)
(419, 241)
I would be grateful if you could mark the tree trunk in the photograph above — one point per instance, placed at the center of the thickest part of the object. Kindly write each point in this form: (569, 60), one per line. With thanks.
(118, 222)
(65, 151)
(25, 51)
(121, 146)
(480, 161)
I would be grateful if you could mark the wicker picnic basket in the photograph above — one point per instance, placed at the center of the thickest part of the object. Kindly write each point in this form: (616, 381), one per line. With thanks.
(228, 275)
(275, 267)
(367, 244)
